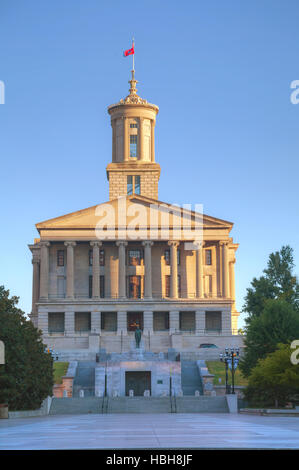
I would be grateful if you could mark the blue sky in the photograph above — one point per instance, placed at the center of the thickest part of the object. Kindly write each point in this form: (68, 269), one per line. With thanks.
(226, 135)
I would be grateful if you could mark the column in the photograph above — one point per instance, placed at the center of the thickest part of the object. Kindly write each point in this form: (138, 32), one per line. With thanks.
(232, 284)
(95, 269)
(113, 124)
(126, 139)
(199, 271)
(174, 321)
(225, 270)
(95, 322)
(200, 321)
(69, 323)
(141, 138)
(44, 270)
(148, 322)
(147, 269)
(174, 269)
(152, 141)
(121, 269)
(35, 278)
(121, 323)
(70, 275)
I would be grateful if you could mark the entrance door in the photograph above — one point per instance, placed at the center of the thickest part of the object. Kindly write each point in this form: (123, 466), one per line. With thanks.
(134, 319)
(139, 382)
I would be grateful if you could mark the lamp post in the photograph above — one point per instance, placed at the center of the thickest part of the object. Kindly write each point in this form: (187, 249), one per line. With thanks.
(231, 360)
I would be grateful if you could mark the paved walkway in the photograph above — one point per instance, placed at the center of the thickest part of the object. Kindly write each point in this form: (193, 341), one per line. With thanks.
(150, 431)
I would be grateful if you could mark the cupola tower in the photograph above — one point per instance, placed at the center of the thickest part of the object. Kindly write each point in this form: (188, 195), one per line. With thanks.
(133, 169)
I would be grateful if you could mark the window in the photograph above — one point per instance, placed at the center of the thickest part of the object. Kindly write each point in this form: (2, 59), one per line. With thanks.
(102, 257)
(167, 286)
(179, 286)
(90, 257)
(161, 321)
(133, 146)
(167, 257)
(82, 321)
(56, 322)
(133, 126)
(60, 257)
(187, 321)
(90, 287)
(133, 184)
(208, 257)
(134, 287)
(135, 257)
(213, 321)
(102, 287)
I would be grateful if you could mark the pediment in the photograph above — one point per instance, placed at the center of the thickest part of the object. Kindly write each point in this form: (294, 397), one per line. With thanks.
(131, 211)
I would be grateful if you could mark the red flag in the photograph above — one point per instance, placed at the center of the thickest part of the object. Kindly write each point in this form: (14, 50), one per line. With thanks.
(129, 51)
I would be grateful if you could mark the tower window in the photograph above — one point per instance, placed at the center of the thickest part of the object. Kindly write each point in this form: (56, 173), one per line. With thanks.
(133, 184)
(133, 146)
(133, 126)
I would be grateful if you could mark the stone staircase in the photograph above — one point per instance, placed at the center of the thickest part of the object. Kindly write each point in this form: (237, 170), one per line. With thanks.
(103, 405)
(74, 406)
(201, 404)
(191, 380)
(139, 405)
(84, 379)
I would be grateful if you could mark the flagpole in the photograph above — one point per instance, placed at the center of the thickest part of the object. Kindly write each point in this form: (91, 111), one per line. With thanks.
(133, 56)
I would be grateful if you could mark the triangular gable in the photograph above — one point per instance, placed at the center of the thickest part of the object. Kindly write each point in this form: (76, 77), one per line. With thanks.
(148, 209)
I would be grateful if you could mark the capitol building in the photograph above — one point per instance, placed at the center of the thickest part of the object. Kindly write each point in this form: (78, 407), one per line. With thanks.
(134, 260)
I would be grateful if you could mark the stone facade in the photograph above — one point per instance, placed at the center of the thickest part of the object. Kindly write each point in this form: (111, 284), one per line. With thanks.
(94, 278)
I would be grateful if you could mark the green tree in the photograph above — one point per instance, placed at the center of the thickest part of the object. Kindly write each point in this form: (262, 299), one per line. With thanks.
(278, 323)
(278, 282)
(274, 380)
(27, 376)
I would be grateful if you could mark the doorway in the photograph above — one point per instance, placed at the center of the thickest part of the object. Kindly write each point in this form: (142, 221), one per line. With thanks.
(139, 382)
(134, 319)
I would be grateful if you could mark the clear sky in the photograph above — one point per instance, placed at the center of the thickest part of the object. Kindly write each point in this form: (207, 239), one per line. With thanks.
(227, 135)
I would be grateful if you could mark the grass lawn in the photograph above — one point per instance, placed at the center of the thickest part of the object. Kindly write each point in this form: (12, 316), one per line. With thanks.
(59, 369)
(218, 369)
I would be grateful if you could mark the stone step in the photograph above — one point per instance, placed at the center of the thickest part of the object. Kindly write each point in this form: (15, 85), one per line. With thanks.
(139, 405)
(191, 380)
(201, 404)
(62, 406)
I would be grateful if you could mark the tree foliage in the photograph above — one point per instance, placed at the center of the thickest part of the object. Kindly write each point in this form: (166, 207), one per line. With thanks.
(26, 379)
(274, 380)
(278, 323)
(278, 282)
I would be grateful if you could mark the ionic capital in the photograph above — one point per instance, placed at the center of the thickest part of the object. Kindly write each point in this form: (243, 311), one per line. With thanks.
(69, 243)
(44, 244)
(121, 243)
(96, 243)
(147, 243)
(198, 244)
(173, 243)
